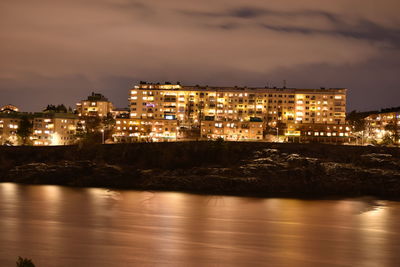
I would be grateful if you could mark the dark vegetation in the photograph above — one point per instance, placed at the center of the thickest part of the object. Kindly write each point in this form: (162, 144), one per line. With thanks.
(25, 129)
(58, 109)
(23, 262)
(212, 167)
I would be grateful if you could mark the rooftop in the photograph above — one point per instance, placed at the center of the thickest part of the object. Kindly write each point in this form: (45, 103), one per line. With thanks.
(97, 97)
(179, 87)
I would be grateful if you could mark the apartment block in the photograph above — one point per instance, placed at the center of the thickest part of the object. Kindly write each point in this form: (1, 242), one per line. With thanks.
(96, 105)
(8, 130)
(383, 124)
(283, 110)
(48, 128)
(52, 129)
(127, 130)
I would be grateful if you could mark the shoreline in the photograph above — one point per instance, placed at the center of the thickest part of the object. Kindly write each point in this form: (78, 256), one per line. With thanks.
(255, 196)
(307, 171)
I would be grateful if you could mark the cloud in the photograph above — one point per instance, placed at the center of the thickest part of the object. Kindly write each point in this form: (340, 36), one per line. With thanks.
(117, 42)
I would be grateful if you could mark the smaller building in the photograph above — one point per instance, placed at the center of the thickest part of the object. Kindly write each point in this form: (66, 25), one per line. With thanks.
(131, 130)
(9, 124)
(53, 129)
(232, 130)
(48, 128)
(96, 105)
(321, 133)
(383, 125)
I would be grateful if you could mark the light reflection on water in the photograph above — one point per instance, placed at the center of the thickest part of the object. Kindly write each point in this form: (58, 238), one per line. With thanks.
(61, 226)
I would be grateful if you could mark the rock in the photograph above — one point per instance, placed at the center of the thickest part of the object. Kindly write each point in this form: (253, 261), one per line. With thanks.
(264, 160)
(295, 161)
(379, 161)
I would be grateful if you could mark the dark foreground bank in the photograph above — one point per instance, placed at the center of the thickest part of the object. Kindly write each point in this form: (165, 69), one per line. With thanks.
(262, 169)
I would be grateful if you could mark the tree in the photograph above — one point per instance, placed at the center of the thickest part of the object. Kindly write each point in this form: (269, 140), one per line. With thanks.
(25, 129)
(387, 140)
(24, 262)
(357, 120)
(359, 124)
(394, 131)
(108, 121)
(89, 131)
(59, 108)
(92, 123)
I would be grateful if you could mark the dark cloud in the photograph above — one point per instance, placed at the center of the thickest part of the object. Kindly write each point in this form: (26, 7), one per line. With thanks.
(365, 30)
(362, 29)
(250, 12)
(247, 12)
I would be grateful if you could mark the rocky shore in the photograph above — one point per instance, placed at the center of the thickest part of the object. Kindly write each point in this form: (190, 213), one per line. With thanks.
(259, 169)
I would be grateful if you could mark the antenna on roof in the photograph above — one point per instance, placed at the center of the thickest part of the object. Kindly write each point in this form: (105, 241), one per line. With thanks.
(284, 84)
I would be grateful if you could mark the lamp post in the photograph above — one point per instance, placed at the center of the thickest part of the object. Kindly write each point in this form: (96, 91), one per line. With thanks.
(277, 134)
(102, 136)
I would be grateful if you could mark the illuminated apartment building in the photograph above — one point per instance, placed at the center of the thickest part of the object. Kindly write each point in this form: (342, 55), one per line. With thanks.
(48, 128)
(52, 129)
(9, 123)
(285, 111)
(127, 130)
(383, 124)
(96, 105)
(232, 130)
(320, 132)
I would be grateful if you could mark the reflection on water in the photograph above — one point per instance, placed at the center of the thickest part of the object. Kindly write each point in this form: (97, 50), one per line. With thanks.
(61, 226)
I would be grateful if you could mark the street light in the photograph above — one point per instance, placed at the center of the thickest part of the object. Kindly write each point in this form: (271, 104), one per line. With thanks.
(277, 134)
(102, 136)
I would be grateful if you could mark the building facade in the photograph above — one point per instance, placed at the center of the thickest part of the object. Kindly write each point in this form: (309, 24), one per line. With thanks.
(48, 128)
(128, 130)
(383, 125)
(96, 105)
(213, 110)
(8, 129)
(232, 130)
(54, 129)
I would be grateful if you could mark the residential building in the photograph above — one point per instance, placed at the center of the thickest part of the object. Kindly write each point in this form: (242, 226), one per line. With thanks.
(9, 124)
(383, 124)
(96, 105)
(52, 129)
(321, 133)
(232, 130)
(281, 110)
(128, 130)
(48, 128)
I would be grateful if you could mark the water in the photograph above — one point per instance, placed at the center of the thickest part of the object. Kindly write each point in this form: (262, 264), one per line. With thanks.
(61, 226)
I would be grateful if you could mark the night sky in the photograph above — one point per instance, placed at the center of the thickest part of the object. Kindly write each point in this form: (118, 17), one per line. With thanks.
(54, 52)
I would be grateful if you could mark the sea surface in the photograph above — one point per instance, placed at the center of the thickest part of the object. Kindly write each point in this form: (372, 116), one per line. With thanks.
(62, 226)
